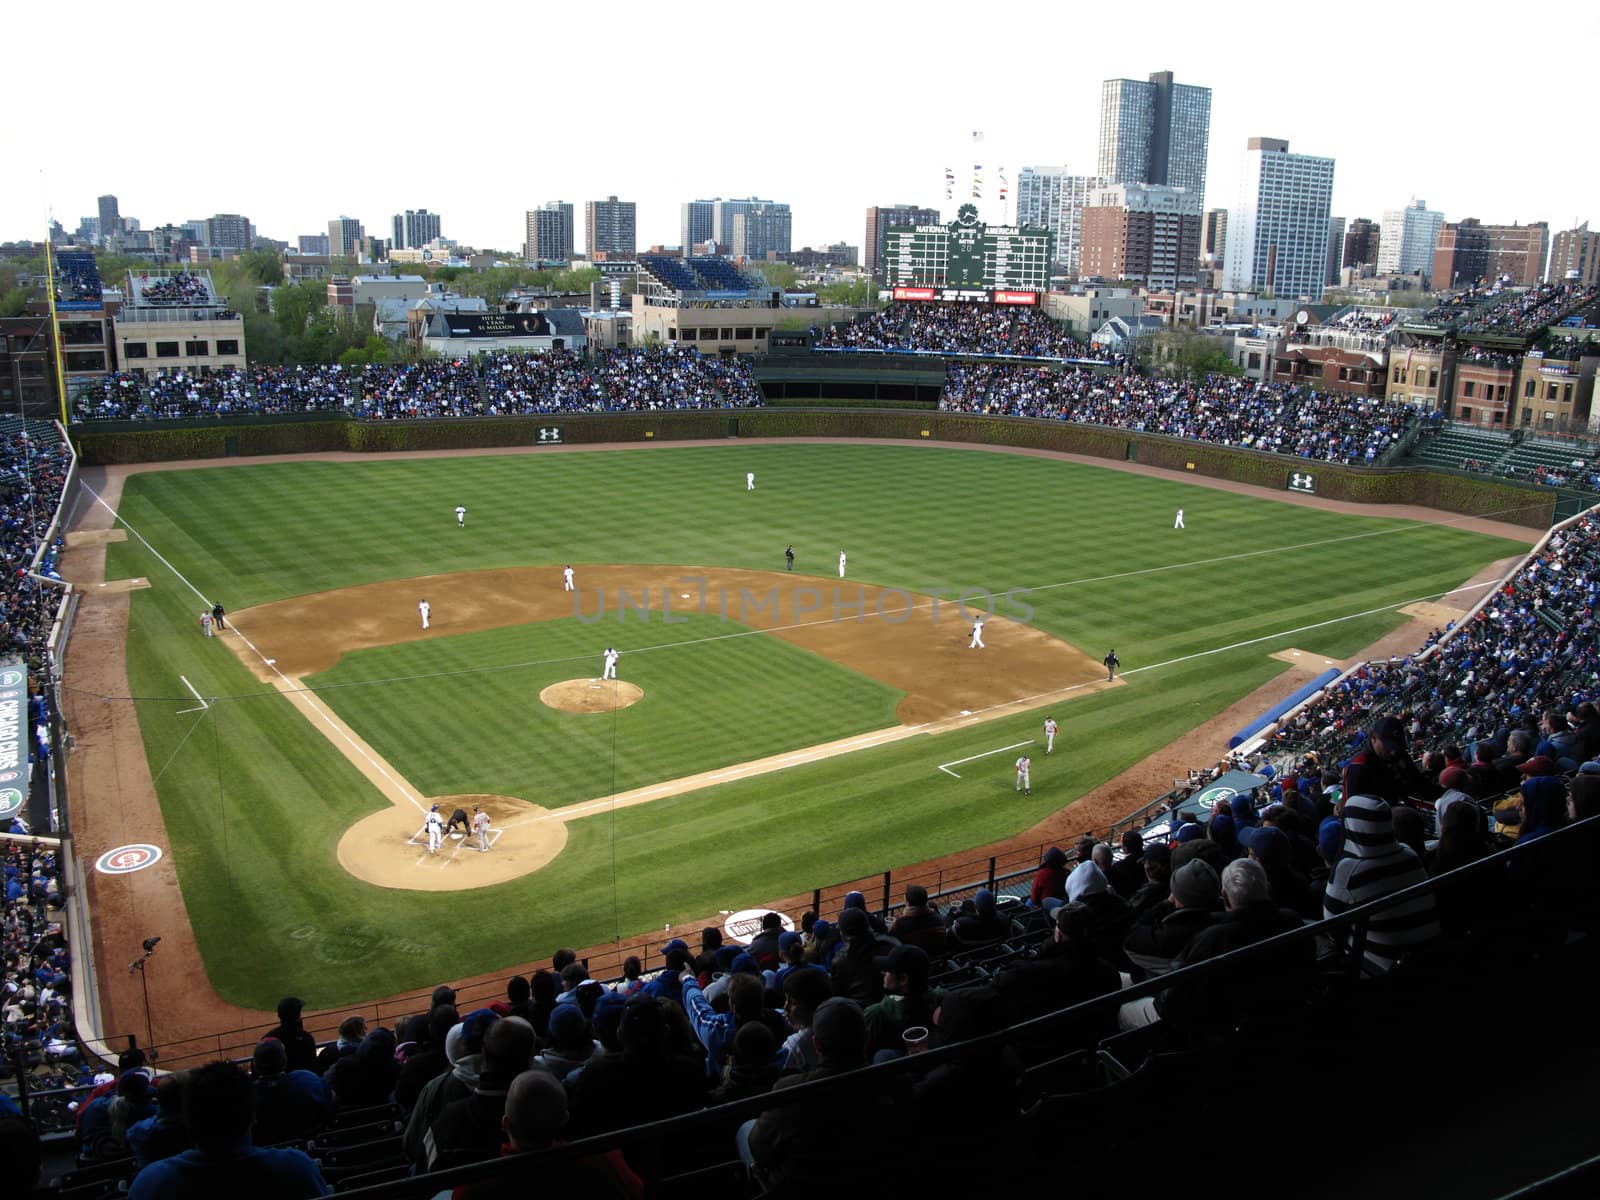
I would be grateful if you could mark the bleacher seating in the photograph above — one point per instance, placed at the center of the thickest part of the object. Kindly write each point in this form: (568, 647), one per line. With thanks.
(1457, 446)
(719, 275)
(78, 278)
(671, 272)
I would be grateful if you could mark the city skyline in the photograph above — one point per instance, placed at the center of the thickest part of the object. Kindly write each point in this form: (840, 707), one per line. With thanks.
(829, 151)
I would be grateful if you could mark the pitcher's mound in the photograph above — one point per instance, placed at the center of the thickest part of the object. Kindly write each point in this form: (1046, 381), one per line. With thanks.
(591, 695)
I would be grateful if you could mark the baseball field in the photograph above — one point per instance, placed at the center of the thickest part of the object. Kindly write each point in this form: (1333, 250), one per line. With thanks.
(769, 731)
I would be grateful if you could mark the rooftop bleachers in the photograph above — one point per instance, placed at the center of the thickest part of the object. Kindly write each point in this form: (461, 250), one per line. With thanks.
(77, 278)
(670, 272)
(719, 275)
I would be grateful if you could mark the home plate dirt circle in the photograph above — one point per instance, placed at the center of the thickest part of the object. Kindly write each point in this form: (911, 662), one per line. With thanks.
(591, 695)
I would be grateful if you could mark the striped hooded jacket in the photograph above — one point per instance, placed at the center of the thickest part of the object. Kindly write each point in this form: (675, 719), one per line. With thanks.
(1374, 865)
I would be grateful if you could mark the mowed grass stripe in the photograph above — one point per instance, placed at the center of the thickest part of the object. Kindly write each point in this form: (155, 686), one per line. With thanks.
(255, 800)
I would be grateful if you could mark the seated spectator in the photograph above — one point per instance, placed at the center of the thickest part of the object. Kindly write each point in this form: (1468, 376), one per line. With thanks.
(290, 1105)
(366, 1077)
(908, 1000)
(746, 1003)
(753, 1065)
(919, 924)
(854, 967)
(1559, 743)
(428, 1061)
(351, 1031)
(463, 1047)
(1112, 916)
(218, 1108)
(104, 1132)
(1162, 932)
(668, 984)
(1290, 889)
(1585, 722)
(979, 922)
(649, 1080)
(1050, 880)
(791, 957)
(468, 1129)
(803, 993)
(1126, 874)
(857, 900)
(1542, 799)
(571, 1044)
(1067, 970)
(632, 978)
(299, 1045)
(764, 946)
(1373, 866)
(1156, 864)
(164, 1134)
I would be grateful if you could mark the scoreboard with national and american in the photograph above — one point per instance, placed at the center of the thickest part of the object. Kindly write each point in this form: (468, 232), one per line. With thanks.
(969, 255)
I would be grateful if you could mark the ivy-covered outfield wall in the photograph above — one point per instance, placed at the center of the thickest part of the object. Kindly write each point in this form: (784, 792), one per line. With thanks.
(108, 443)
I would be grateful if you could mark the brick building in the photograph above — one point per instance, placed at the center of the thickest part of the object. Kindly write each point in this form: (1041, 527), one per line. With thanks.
(1143, 232)
(1469, 250)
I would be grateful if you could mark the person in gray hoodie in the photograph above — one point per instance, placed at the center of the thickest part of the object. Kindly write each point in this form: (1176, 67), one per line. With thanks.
(463, 1047)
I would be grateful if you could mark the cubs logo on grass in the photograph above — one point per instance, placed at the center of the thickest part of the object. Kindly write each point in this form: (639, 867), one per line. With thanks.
(743, 925)
(125, 860)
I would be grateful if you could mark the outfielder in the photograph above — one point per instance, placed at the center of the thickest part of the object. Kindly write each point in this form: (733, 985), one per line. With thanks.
(788, 557)
(610, 671)
(977, 634)
(426, 610)
(1024, 783)
(461, 515)
(459, 817)
(434, 824)
(749, 481)
(566, 578)
(1049, 735)
(480, 826)
(841, 564)
(1178, 524)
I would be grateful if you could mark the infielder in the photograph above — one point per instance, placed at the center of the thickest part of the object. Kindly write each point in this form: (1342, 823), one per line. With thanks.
(426, 610)
(1112, 662)
(461, 515)
(205, 622)
(434, 824)
(749, 481)
(1178, 524)
(459, 817)
(566, 578)
(788, 558)
(977, 634)
(480, 826)
(841, 564)
(1049, 735)
(1024, 783)
(610, 671)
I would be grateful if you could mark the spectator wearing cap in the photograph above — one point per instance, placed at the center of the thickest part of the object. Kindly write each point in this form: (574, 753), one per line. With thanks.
(468, 1129)
(803, 993)
(131, 1059)
(164, 1134)
(1050, 880)
(351, 1031)
(791, 956)
(919, 924)
(1542, 798)
(815, 1143)
(907, 1000)
(1162, 932)
(822, 942)
(1375, 865)
(764, 946)
(289, 1104)
(1126, 874)
(366, 1077)
(647, 1081)
(667, 985)
(859, 901)
(463, 1047)
(103, 1135)
(1065, 971)
(980, 922)
(218, 1107)
(428, 1062)
(854, 968)
(536, 1111)
(299, 1045)
(1383, 767)
(1156, 866)
(1268, 845)
(571, 1044)
(1220, 1000)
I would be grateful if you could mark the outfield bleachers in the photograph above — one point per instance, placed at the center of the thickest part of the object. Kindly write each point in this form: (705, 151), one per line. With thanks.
(1456, 444)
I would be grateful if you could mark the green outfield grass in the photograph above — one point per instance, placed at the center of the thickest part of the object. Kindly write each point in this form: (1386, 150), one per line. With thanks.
(255, 801)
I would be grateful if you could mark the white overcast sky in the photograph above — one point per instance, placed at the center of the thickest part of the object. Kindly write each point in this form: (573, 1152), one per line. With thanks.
(291, 112)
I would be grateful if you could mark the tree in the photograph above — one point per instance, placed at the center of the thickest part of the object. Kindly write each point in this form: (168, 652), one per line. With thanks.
(857, 293)
(782, 275)
(1183, 354)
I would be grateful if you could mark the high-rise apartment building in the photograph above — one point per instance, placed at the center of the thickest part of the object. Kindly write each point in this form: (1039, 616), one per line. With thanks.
(1278, 229)
(762, 230)
(344, 237)
(1155, 132)
(723, 213)
(695, 227)
(612, 226)
(1575, 255)
(1049, 198)
(1214, 237)
(550, 236)
(1408, 238)
(1143, 232)
(228, 231)
(1335, 249)
(110, 219)
(413, 229)
(313, 243)
(887, 216)
(1469, 250)
(1361, 243)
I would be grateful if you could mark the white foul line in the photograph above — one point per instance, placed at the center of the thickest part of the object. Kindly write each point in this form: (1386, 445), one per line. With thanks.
(945, 767)
(195, 694)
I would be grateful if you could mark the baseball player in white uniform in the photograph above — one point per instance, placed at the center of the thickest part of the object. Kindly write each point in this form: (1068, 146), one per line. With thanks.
(749, 481)
(461, 515)
(977, 634)
(566, 578)
(1024, 783)
(610, 671)
(434, 824)
(426, 610)
(1049, 735)
(1178, 524)
(480, 826)
(841, 564)
(205, 622)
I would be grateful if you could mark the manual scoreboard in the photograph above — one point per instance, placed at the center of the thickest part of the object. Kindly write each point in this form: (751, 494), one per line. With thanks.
(969, 256)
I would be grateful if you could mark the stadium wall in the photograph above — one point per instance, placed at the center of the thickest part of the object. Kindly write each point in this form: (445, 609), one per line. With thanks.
(135, 442)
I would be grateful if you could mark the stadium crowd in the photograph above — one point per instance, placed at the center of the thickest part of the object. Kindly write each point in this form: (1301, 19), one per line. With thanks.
(1325, 426)
(33, 471)
(178, 289)
(1521, 313)
(35, 982)
(959, 329)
